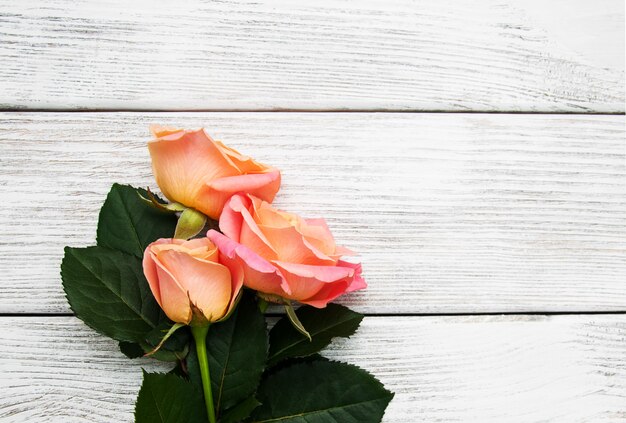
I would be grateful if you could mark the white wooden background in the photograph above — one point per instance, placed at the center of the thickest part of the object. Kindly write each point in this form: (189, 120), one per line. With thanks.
(494, 243)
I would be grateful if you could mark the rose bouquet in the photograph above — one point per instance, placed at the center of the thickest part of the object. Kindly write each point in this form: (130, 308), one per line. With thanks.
(188, 281)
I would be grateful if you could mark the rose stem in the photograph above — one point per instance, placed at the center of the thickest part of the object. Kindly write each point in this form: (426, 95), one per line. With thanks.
(199, 336)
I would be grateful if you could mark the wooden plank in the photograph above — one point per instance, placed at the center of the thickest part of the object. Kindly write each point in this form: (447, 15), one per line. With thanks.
(470, 369)
(451, 212)
(502, 55)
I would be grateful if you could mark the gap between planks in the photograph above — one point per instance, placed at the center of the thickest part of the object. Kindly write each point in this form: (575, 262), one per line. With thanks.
(480, 314)
(303, 110)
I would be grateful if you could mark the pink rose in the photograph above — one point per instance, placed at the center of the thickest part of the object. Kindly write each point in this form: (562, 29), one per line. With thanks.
(283, 254)
(188, 282)
(198, 172)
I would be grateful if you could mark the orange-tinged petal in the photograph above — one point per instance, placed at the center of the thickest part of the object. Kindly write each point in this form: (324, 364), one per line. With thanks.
(208, 284)
(150, 271)
(174, 300)
(244, 163)
(181, 273)
(184, 162)
(316, 231)
(262, 185)
(291, 246)
(161, 131)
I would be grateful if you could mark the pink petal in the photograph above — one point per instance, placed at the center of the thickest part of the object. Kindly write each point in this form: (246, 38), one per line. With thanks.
(231, 218)
(331, 291)
(237, 275)
(238, 224)
(357, 282)
(215, 194)
(261, 185)
(292, 247)
(327, 294)
(305, 281)
(259, 274)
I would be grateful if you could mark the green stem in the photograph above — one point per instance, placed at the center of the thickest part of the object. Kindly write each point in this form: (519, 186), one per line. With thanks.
(199, 336)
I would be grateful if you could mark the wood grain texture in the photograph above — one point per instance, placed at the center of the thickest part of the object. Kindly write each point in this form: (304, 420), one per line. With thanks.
(453, 213)
(443, 369)
(484, 55)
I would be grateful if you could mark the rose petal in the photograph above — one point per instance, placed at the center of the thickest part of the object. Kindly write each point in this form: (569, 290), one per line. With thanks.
(182, 163)
(316, 231)
(174, 299)
(150, 271)
(238, 224)
(231, 218)
(160, 131)
(208, 284)
(237, 275)
(327, 294)
(259, 274)
(244, 163)
(261, 185)
(305, 280)
(357, 282)
(292, 247)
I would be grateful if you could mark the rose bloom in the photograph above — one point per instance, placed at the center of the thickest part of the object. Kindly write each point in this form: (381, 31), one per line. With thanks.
(188, 282)
(193, 169)
(282, 254)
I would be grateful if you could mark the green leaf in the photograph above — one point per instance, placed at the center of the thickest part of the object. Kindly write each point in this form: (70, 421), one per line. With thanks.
(193, 368)
(127, 224)
(321, 391)
(175, 348)
(180, 370)
(240, 412)
(295, 322)
(131, 349)
(107, 290)
(237, 353)
(174, 345)
(323, 325)
(167, 398)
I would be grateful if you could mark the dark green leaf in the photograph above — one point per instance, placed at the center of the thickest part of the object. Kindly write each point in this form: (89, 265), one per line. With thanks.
(295, 321)
(237, 351)
(127, 224)
(179, 370)
(174, 348)
(108, 291)
(167, 398)
(240, 412)
(131, 349)
(193, 368)
(321, 391)
(323, 325)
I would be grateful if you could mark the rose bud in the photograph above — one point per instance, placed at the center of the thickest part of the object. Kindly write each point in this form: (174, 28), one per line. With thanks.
(282, 254)
(193, 169)
(188, 281)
